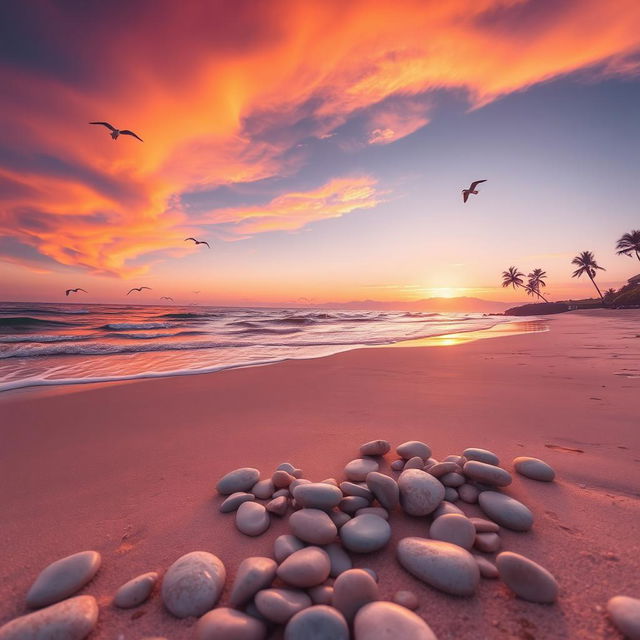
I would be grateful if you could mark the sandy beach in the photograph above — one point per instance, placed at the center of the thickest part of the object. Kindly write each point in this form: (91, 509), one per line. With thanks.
(129, 469)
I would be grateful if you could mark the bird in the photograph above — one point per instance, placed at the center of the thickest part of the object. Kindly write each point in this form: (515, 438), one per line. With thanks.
(68, 291)
(138, 289)
(198, 241)
(166, 298)
(117, 132)
(471, 189)
(197, 291)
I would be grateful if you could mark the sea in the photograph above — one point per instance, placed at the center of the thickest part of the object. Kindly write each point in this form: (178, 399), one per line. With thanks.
(49, 344)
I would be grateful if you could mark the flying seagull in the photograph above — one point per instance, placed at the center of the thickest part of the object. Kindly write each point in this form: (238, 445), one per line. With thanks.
(116, 132)
(198, 241)
(471, 189)
(166, 298)
(68, 291)
(138, 289)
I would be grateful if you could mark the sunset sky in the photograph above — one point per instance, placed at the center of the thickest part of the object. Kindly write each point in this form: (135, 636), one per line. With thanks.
(319, 146)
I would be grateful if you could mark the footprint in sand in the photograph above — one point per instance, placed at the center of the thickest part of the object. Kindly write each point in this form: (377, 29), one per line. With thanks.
(558, 447)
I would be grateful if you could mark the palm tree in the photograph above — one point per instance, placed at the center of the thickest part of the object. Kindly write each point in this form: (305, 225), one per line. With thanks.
(586, 263)
(609, 295)
(629, 243)
(536, 280)
(512, 278)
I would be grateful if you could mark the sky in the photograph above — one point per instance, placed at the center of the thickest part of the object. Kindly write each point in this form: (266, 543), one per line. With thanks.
(320, 147)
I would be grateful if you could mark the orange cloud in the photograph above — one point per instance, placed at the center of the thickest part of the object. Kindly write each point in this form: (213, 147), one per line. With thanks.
(224, 92)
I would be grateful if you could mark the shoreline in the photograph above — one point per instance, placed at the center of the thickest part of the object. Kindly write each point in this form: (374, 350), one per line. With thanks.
(129, 469)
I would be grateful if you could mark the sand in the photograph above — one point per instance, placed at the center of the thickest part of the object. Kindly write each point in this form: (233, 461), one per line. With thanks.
(129, 469)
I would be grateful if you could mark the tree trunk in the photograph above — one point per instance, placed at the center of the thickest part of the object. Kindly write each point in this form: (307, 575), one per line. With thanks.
(541, 296)
(597, 289)
(637, 254)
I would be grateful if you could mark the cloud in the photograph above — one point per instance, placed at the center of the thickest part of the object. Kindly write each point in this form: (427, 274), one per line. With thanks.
(227, 92)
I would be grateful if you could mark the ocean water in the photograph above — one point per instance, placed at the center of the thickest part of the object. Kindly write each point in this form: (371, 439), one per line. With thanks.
(43, 344)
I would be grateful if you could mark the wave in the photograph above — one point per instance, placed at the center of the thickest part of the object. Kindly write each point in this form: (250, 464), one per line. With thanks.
(37, 338)
(153, 336)
(27, 322)
(119, 326)
(45, 310)
(265, 330)
(186, 316)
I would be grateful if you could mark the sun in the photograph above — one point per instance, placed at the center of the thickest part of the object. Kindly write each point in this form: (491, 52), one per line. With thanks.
(442, 292)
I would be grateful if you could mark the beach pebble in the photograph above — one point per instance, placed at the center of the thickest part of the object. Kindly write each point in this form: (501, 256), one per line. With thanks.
(63, 578)
(71, 619)
(339, 558)
(352, 590)
(506, 511)
(625, 615)
(238, 480)
(263, 489)
(408, 450)
(313, 526)
(193, 583)
(285, 545)
(357, 470)
(279, 605)
(366, 533)
(459, 460)
(375, 448)
(414, 463)
(228, 624)
(406, 599)
(356, 489)
(322, 594)
(534, 469)
(374, 511)
(281, 479)
(371, 572)
(481, 455)
(487, 473)
(253, 574)
(331, 481)
(296, 483)
(280, 493)
(487, 542)
(450, 494)
(484, 526)
(285, 466)
(454, 528)
(390, 621)
(452, 479)
(308, 567)
(527, 579)
(397, 465)
(278, 506)
(420, 492)
(487, 569)
(430, 462)
(136, 591)
(319, 622)
(339, 518)
(384, 488)
(351, 504)
(235, 500)
(468, 493)
(252, 518)
(447, 507)
(443, 468)
(442, 565)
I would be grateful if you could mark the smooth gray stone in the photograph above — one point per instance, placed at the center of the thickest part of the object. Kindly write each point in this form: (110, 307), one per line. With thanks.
(285, 466)
(63, 578)
(319, 622)
(263, 489)
(136, 591)
(296, 483)
(228, 624)
(278, 506)
(279, 605)
(71, 619)
(313, 526)
(281, 493)
(481, 455)
(459, 460)
(252, 518)
(487, 569)
(356, 489)
(372, 573)
(332, 481)
(285, 545)
(450, 494)
(352, 590)
(443, 565)
(385, 489)
(443, 468)
(406, 599)
(487, 542)
(297, 473)
(390, 621)
(414, 463)
(253, 574)
(238, 480)
(339, 518)
(412, 448)
(340, 560)
(374, 511)
(527, 579)
(317, 495)
(375, 448)
(447, 507)
(306, 568)
(193, 583)
(397, 465)
(452, 479)
(322, 594)
(487, 473)
(485, 526)
(420, 492)
(506, 511)
(454, 528)
(351, 504)
(468, 493)
(534, 468)
(357, 470)
(235, 500)
(366, 533)
(281, 479)
(625, 615)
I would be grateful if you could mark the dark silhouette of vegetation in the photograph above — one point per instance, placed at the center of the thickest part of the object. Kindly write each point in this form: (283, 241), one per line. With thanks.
(586, 263)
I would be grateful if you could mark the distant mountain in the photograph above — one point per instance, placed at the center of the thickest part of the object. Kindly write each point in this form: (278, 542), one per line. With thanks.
(453, 305)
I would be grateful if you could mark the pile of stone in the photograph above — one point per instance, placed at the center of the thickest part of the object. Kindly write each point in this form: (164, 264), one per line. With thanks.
(310, 587)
